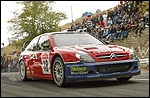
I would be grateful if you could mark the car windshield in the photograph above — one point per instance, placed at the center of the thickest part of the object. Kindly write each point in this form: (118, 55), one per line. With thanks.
(74, 39)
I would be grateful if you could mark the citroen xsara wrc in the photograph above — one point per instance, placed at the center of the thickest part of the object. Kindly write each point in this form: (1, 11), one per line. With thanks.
(75, 56)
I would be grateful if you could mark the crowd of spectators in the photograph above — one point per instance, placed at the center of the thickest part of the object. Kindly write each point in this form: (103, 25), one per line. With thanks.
(116, 23)
(8, 64)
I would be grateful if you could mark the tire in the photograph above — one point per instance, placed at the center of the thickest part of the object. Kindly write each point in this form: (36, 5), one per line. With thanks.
(124, 79)
(59, 72)
(22, 71)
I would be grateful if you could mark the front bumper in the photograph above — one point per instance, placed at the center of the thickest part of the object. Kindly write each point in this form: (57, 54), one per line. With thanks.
(77, 72)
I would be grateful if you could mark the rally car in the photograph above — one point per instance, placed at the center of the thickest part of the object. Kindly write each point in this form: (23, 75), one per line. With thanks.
(76, 56)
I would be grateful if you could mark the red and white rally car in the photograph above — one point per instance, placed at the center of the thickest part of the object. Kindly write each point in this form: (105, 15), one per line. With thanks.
(75, 56)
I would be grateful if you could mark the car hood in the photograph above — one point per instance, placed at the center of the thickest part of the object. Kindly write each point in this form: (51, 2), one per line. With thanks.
(95, 48)
(100, 52)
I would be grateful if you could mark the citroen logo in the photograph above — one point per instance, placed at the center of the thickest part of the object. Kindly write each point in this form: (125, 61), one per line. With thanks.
(112, 56)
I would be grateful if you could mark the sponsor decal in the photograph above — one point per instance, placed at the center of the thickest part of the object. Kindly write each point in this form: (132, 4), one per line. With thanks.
(45, 56)
(114, 68)
(118, 67)
(76, 70)
(36, 63)
(79, 72)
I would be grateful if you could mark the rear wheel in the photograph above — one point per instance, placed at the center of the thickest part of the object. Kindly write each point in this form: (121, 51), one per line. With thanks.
(123, 79)
(59, 72)
(22, 71)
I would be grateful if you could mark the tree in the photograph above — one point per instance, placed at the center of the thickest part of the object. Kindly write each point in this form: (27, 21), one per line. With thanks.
(36, 17)
(143, 6)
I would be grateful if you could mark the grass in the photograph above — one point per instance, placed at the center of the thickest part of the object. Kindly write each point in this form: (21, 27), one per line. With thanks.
(144, 66)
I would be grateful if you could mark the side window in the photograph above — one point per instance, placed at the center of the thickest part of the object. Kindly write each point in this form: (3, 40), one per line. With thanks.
(44, 43)
(32, 44)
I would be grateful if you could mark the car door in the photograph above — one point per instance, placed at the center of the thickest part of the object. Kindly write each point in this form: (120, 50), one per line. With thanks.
(42, 59)
(30, 57)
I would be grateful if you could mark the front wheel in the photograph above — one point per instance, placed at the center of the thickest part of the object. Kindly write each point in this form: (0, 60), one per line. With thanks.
(22, 71)
(59, 72)
(123, 79)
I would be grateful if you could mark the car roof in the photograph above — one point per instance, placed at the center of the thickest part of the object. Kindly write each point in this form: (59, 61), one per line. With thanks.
(66, 32)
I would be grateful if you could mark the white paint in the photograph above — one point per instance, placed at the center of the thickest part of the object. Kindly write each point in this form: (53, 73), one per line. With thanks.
(141, 79)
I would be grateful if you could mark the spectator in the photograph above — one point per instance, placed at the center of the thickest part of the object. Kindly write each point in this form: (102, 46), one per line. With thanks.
(2, 64)
(84, 23)
(118, 32)
(100, 18)
(126, 16)
(131, 5)
(100, 23)
(110, 14)
(9, 67)
(97, 33)
(127, 27)
(132, 15)
(135, 7)
(101, 32)
(115, 19)
(146, 16)
(105, 33)
(105, 18)
(89, 22)
(14, 65)
(115, 12)
(135, 27)
(122, 28)
(109, 22)
(88, 29)
(93, 32)
(73, 27)
(94, 20)
(118, 10)
(139, 28)
(122, 8)
(129, 12)
(125, 6)
(112, 32)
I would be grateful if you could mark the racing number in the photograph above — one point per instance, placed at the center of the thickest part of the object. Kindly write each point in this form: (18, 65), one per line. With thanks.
(45, 65)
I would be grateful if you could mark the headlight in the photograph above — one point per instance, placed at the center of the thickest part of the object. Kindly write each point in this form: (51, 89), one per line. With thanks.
(83, 57)
(131, 54)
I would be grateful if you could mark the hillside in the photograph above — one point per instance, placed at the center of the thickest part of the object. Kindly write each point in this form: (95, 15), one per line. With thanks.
(139, 44)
